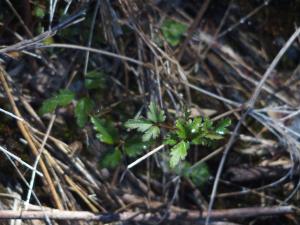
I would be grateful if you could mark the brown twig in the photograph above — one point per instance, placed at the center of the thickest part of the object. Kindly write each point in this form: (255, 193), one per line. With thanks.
(137, 216)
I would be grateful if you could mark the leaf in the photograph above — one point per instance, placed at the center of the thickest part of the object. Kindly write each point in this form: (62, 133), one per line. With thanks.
(199, 174)
(222, 126)
(155, 114)
(111, 159)
(152, 133)
(63, 98)
(83, 108)
(213, 136)
(94, 80)
(173, 31)
(178, 152)
(106, 132)
(140, 124)
(48, 106)
(207, 124)
(196, 125)
(39, 12)
(170, 141)
(181, 129)
(135, 146)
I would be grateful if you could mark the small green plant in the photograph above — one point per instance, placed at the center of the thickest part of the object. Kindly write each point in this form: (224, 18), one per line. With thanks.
(187, 131)
(63, 98)
(173, 31)
(148, 126)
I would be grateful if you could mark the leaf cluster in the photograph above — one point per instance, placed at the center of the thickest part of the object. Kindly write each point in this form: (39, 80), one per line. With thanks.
(195, 131)
(148, 126)
(173, 31)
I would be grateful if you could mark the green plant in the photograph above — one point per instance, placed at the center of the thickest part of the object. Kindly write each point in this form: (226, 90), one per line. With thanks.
(173, 31)
(187, 131)
(63, 98)
(148, 126)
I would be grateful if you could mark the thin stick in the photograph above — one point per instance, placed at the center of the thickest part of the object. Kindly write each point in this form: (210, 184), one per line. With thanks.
(145, 156)
(236, 213)
(37, 160)
(99, 51)
(225, 100)
(11, 114)
(87, 54)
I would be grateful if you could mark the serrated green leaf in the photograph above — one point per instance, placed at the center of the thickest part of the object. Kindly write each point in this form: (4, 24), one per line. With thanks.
(178, 152)
(181, 131)
(111, 159)
(222, 126)
(48, 106)
(170, 141)
(151, 133)
(155, 114)
(196, 125)
(106, 132)
(94, 80)
(140, 124)
(63, 98)
(207, 124)
(213, 136)
(173, 31)
(83, 108)
(135, 146)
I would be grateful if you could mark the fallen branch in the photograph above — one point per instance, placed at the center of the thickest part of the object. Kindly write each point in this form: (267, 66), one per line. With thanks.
(136, 216)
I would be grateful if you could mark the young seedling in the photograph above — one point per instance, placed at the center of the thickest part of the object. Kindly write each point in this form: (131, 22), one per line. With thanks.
(187, 131)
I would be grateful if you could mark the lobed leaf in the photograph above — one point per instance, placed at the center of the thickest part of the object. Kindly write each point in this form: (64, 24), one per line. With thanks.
(152, 133)
(82, 110)
(140, 124)
(106, 132)
(181, 131)
(178, 152)
(222, 126)
(155, 114)
(173, 31)
(135, 146)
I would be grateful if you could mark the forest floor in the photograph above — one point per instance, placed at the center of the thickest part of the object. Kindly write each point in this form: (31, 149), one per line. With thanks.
(149, 112)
